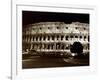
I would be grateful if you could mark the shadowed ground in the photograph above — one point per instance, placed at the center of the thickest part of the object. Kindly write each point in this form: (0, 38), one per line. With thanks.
(47, 62)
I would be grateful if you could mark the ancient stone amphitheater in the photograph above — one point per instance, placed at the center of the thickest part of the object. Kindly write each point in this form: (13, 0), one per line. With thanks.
(54, 38)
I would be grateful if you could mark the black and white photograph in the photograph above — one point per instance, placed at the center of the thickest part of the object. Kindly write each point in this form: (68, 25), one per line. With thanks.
(55, 39)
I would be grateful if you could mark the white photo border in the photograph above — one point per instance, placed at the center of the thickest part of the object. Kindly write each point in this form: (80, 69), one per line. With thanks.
(19, 73)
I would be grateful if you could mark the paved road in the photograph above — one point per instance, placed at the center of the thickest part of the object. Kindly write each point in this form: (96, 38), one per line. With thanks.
(46, 62)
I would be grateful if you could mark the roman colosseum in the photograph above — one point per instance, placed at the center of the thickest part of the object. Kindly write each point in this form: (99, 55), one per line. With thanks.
(54, 38)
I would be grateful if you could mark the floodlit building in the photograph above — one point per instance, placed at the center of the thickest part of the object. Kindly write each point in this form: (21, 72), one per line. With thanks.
(55, 37)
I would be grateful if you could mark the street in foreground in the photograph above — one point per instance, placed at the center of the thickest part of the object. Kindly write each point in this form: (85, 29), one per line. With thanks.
(47, 62)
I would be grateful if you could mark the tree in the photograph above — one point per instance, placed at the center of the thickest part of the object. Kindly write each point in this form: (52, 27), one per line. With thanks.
(76, 48)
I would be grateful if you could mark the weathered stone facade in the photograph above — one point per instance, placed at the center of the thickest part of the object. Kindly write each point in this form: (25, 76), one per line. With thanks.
(55, 37)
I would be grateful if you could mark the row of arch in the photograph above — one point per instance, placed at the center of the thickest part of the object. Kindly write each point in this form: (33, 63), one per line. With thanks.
(50, 46)
(55, 37)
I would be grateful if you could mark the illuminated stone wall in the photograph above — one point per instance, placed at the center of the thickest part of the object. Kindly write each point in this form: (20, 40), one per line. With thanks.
(55, 37)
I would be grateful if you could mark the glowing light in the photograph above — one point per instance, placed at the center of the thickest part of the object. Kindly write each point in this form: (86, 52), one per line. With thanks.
(73, 54)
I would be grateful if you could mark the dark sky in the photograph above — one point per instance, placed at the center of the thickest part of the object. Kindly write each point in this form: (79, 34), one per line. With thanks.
(29, 17)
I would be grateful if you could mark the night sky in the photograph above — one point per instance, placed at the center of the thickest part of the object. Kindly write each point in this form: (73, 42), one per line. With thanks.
(29, 17)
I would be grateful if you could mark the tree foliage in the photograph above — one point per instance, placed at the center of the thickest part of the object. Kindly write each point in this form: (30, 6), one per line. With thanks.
(76, 48)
